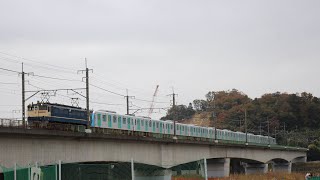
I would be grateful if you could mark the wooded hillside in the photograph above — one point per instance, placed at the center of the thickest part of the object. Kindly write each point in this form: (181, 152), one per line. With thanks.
(294, 119)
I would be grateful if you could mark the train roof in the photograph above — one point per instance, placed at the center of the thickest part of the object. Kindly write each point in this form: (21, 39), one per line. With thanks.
(107, 111)
(56, 104)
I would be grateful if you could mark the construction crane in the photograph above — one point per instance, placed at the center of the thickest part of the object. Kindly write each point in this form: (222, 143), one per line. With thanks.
(152, 102)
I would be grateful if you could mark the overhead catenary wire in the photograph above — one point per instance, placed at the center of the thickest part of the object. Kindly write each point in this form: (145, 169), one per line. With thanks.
(31, 60)
(35, 77)
(8, 83)
(107, 90)
(9, 70)
(56, 78)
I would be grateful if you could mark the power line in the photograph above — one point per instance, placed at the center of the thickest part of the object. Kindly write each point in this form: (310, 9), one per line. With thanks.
(121, 86)
(35, 65)
(9, 70)
(55, 78)
(27, 59)
(7, 83)
(107, 90)
(149, 101)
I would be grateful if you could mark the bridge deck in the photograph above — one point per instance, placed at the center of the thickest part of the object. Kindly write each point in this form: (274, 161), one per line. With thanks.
(14, 131)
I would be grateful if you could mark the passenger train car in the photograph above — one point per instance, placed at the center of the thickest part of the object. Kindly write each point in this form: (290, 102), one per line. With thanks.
(111, 120)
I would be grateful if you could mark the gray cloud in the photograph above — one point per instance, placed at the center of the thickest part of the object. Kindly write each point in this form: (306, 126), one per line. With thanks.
(195, 46)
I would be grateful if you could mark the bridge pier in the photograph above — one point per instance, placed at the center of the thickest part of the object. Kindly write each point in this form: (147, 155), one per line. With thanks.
(217, 167)
(165, 174)
(282, 167)
(255, 168)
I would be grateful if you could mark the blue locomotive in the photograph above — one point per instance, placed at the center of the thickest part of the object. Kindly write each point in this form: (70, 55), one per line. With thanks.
(49, 115)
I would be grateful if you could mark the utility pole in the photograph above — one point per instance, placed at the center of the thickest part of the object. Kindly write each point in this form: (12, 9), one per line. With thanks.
(285, 133)
(214, 116)
(127, 98)
(174, 109)
(23, 110)
(268, 131)
(87, 92)
(260, 128)
(23, 99)
(245, 122)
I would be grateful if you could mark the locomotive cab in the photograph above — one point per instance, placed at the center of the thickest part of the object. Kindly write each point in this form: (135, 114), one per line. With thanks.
(39, 111)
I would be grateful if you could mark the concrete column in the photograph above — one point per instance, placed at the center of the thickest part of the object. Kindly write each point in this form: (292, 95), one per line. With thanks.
(157, 175)
(255, 168)
(282, 167)
(218, 167)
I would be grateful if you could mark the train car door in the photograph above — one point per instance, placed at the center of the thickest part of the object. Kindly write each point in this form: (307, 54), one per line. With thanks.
(99, 119)
(119, 122)
(104, 121)
(147, 125)
(129, 123)
(109, 121)
(115, 122)
(138, 125)
(161, 127)
(153, 126)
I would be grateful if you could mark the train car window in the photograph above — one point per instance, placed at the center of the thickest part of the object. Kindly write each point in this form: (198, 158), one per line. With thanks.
(128, 120)
(124, 120)
(142, 122)
(104, 117)
(157, 125)
(150, 124)
(114, 119)
(109, 118)
(43, 107)
(135, 122)
(171, 126)
(154, 124)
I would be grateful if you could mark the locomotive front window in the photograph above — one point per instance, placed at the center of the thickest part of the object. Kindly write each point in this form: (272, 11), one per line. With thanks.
(43, 107)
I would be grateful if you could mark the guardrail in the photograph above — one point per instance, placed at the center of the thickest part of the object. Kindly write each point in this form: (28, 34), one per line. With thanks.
(11, 123)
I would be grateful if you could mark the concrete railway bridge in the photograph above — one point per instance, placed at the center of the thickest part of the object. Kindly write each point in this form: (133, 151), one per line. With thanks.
(23, 146)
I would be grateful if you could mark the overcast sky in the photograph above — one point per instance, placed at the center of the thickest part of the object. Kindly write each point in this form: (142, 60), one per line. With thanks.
(256, 46)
